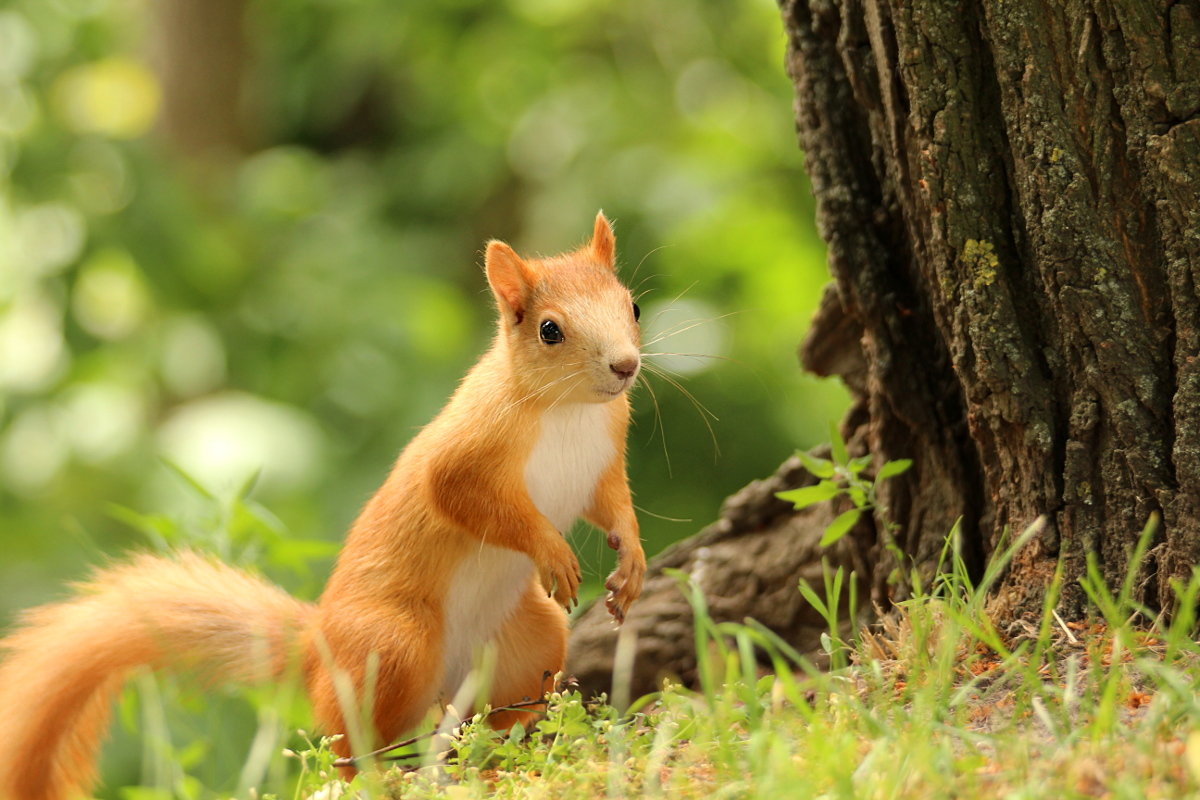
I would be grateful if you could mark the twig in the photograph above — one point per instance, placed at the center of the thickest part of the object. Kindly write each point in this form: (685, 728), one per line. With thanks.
(1061, 624)
(350, 761)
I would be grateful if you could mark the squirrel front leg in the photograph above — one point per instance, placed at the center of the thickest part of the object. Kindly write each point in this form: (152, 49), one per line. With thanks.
(612, 512)
(498, 510)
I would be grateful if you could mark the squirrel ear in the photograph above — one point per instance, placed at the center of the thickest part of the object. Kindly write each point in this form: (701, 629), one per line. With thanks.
(604, 242)
(508, 276)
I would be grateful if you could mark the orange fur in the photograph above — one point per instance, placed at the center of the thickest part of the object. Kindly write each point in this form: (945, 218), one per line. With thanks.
(452, 553)
(66, 662)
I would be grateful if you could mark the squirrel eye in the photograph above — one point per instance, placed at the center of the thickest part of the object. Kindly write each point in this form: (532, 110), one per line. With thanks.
(637, 312)
(550, 332)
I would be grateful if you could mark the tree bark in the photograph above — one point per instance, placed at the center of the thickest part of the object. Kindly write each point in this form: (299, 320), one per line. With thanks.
(1010, 194)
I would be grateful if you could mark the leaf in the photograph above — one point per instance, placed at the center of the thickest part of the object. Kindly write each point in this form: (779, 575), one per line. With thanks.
(184, 476)
(857, 496)
(818, 467)
(893, 468)
(159, 528)
(857, 465)
(837, 445)
(840, 525)
(814, 599)
(810, 495)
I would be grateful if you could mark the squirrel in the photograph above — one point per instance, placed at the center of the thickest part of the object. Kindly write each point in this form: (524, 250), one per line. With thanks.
(461, 548)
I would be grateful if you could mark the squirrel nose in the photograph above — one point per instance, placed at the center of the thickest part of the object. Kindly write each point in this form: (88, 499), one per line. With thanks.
(625, 368)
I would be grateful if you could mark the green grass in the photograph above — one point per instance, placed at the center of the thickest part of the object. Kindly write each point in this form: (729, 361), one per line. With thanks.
(934, 701)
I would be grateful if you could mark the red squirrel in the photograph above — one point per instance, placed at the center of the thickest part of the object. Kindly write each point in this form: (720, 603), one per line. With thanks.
(460, 548)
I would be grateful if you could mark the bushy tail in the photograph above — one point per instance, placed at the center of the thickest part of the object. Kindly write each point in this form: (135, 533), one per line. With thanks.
(63, 667)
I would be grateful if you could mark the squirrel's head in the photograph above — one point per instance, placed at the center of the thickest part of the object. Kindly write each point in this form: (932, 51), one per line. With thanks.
(570, 326)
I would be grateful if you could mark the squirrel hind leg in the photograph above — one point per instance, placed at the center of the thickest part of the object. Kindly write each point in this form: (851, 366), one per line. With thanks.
(406, 676)
(531, 650)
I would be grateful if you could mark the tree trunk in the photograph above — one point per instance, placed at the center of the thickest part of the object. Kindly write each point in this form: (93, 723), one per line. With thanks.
(201, 57)
(1011, 196)
(1010, 193)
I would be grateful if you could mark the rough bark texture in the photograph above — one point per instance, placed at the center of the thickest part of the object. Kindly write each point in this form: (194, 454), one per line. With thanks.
(1011, 196)
(748, 563)
(1010, 193)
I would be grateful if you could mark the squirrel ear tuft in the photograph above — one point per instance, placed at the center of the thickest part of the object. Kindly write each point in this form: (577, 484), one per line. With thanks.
(509, 278)
(604, 242)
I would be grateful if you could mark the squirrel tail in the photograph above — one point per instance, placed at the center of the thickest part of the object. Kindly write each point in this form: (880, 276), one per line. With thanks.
(62, 668)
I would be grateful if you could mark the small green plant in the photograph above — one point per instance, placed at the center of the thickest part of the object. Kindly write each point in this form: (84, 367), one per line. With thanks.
(843, 476)
(316, 759)
(827, 606)
(232, 526)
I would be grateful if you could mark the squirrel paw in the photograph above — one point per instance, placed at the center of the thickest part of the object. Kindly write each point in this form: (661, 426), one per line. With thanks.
(625, 583)
(560, 574)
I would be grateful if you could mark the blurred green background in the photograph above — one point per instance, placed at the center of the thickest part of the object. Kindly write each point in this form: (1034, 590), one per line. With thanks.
(244, 237)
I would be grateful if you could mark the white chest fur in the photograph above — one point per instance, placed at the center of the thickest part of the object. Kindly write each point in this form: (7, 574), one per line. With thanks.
(484, 590)
(572, 450)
